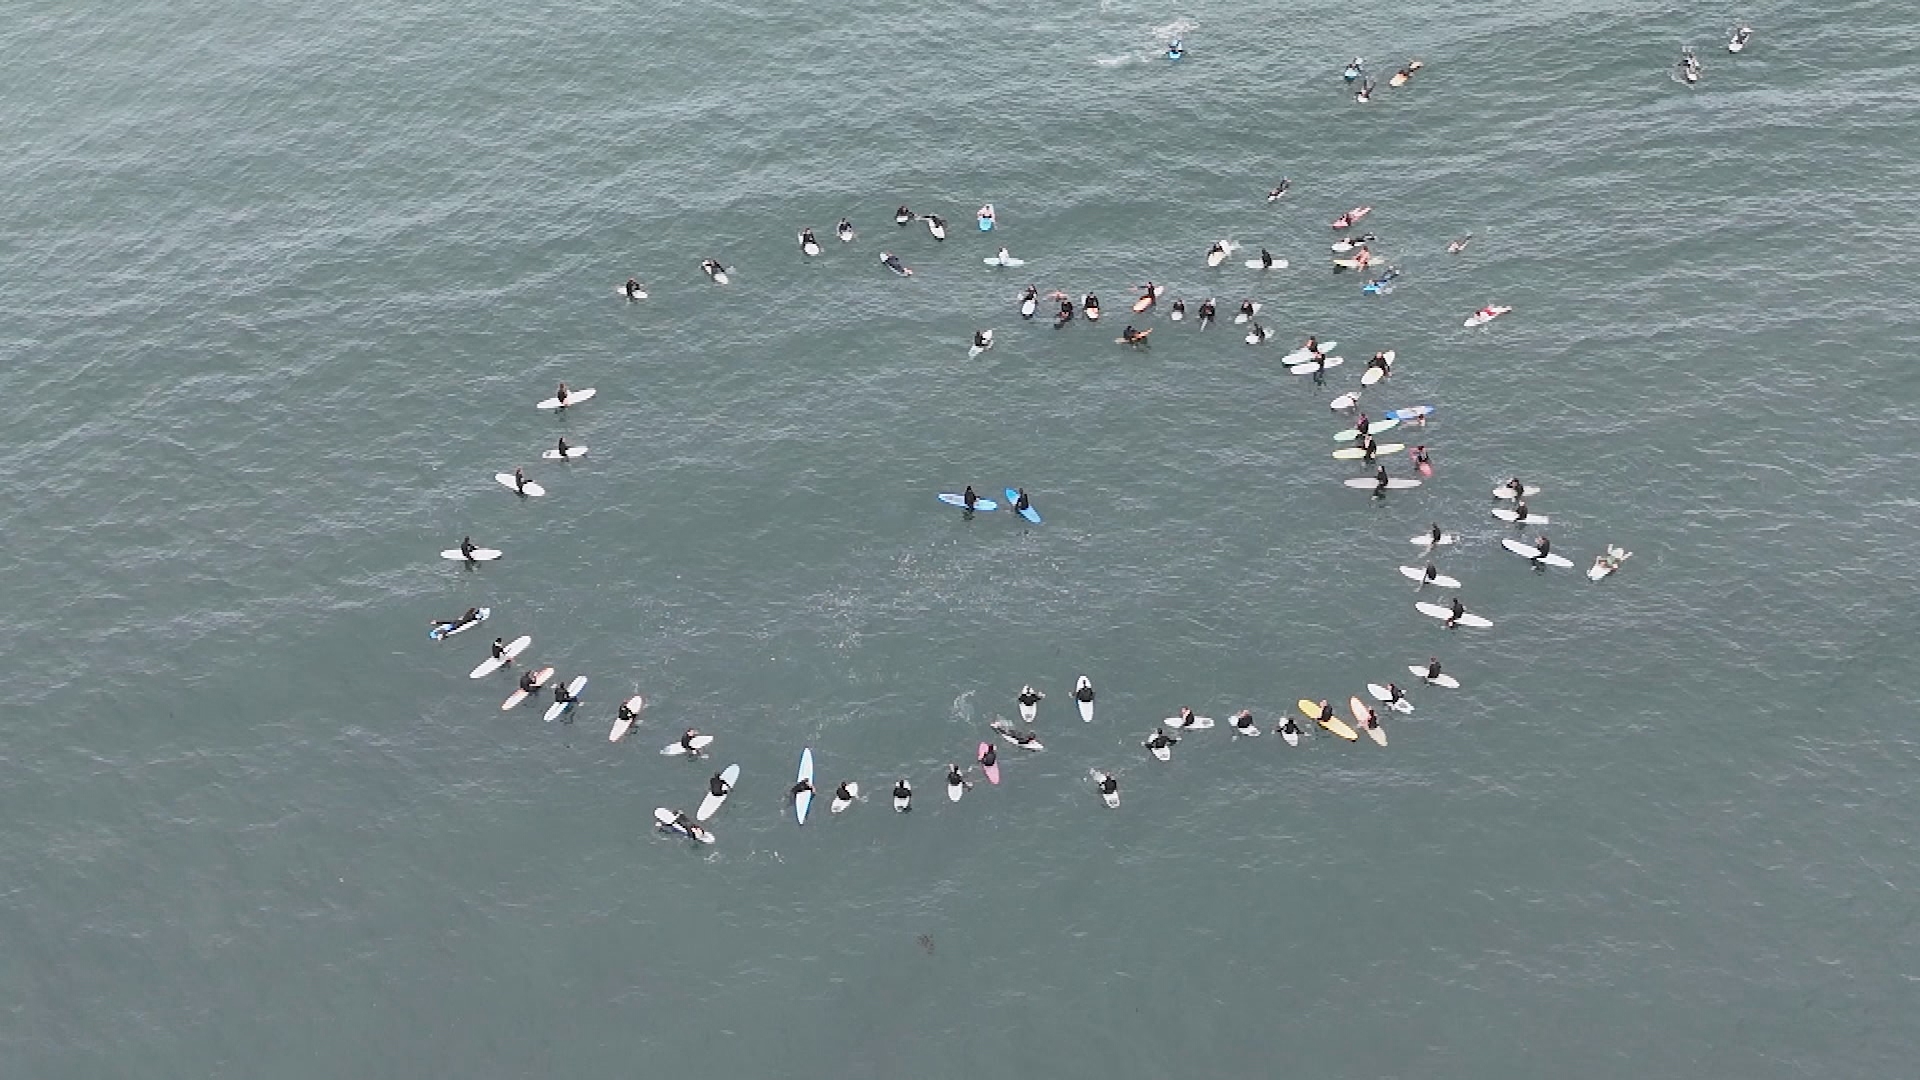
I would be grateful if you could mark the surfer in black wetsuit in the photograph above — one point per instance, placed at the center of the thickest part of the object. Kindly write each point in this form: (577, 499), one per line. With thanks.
(1276, 193)
(561, 695)
(1458, 609)
(982, 338)
(806, 238)
(1206, 312)
(804, 787)
(1108, 785)
(528, 683)
(902, 216)
(1380, 481)
(632, 289)
(988, 758)
(1433, 667)
(954, 779)
(1065, 315)
(968, 498)
(1090, 307)
(1160, 740)
(686, 741)
(843, 793)
(1243, 720)
(519, 480)
(1519, 510)
(1394, 694)
(1326, 711)
(499, 649)
(1288, 727)
(903, 794)
(467, 549)
(1022, 504)
(562, 394)
(626, 715)
(1266, 259)
(1432, 572)
(1367, 448)
(1433, 537)
(1543, 545)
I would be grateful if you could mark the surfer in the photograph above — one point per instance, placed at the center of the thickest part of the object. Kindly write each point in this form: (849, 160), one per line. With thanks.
(1312, 347)
(1219, 248)
(1515, 487)
(804, 787)
(1108, 785)
(1326, 712)
(843, 793)
(1160, 740)
(1065, 314)
(1459, 245)
(454, 624)
(1266, 259)
(1028, 301)
(1090, 307)
(894, 264)
(1025, 739)
(1431, 573)
(902, 215)
(983, 339)
(1367, 448)
(1360, 425)
(1394, 694)
(845, 231)
(626, 715)
(519, 480)
(1380, 481)
(1420, 456)
(1175, 50)
(632, 289)
(561, 448)
(1206, 312)
(1343, 221)
(561, 695)
(1519, 510)
(528, 684)
(1247, 308)
(686, 742)
(1287, 727)
(1543, 545)
(1186, 717)
(718, 787)
(1458, 609)
(954, 779)
(988, 759)
(1179, 310)
(500, 651)
(1434, 535)
(1373, 719)
(1433, 668)
(1366, 92)
(937, 225)
(562, 394)
(712, 267)
(968, 497)
(1084, 694)
(1004, 257)
(1276, 194)
(1380, 361)
(902, 795)
(1149, 293)
(1131, 336)
(1257, 334)
(467, 548)
(807, 240)
(1022, 503)
(1243, 720)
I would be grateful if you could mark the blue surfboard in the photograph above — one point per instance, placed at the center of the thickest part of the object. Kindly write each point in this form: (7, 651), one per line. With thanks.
(978, 504)
(1013, 499)
(986, 224)
(1414, 413)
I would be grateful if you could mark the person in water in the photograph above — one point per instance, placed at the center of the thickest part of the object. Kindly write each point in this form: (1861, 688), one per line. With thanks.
(519, 480)
(1243, 719)
(1022, 503)
(562, 695)
(1326, 712)
(1433, 667)
(1247, 308)
(1367, 448)
(467, 548)
(903, 794)
(1132, 336)
(1380, 481)
(806, 237)
(1394, 694)
(1090, 306)
(1083, 693)
(1434, 535)
(1206, 311)
(1218, 248)
(902, 215)
(1432, 572)
(686, 741)
(1276, 193)
(1065, 315)
(626, 715)
(804, 787)
(954, 779)
(718, 787)
(1457, 609)
(499, 649)
(1160, 740)
(1186, 716)
(632, 289)
(1029, 696)
(453, 624)
(1266, 259)
(843, 793)
(968, 497)
(845, 229)
(1180, 308)
(1286, 727)
(1361, 424)
(1108, 785)
(1519, 510)
(1420, 454)
(561, 448)
(1543, 545)
(1373, 719)
(988, 759)
(982, 339)
(1516, 487)
(529, 682)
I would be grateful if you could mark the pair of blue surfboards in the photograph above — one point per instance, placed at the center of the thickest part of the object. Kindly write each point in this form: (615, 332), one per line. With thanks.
(988, 505)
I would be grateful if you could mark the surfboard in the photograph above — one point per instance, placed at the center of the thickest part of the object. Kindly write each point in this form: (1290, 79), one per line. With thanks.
(1436, 611)
(936, 226)
(532, 489)
(1393, 483)
(1505, 491)
(1345, 401)
(1292, 737)
(1147, 300)
(1351, 453)
(803, 802)
(480, 554)
(1414, 413)
(1298, 355)
(494, 663)
(540, 678)
(1426, 539)
(808, 247)
(1481, 319)
(553, 453)
(1359, 709)
(1419, 573)
(674, 749)
(1242, 316)
(559, 708)
(1086, 707)
(664, 818)
(1310, 367)
(1377, 427)
(621, 290)
(1506, 514)
(992, 771)
(1348, 264)
(1111, 798)
(1600, 570)
(1532, 554)
(1251, 730)
(1028, 304)
(441, 631)
(1013, 499)
(1215, 258)
(839, 805)
(1375, 374)
(1137, 339)
(1257, 335)
(956, 791)
(574, 397)
(1007, 734)
(1442, 679)
(1333, 724)
(1200, 723)
(1161, 753)
(960, 501)
(1385, 696)
(1256, 264)
(635, 705)
(710, 805)
(995, 260)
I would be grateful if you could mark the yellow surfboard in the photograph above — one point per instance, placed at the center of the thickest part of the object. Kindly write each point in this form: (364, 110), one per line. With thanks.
(1335, 725)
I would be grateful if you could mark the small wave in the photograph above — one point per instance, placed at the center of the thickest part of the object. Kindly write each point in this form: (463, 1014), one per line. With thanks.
(1174, 29)
(1115, 61)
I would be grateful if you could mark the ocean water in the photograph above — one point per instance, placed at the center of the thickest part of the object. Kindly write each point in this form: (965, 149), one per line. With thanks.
(280, 284)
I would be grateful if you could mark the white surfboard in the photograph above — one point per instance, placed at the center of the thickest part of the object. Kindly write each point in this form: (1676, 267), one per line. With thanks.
(1300, 354)
(1086, 707)
(1354, 453)
(574, 397)
(1310, 366)
(635, 705)
(803, 801)
(621, 290)
(808, 247)
(1442, 679)
(664, 818)
(1256, 264)
(1426, 539)
(955, 792)
(532, 489)
(1395, 483)
(1382, 694)
(1162, 753)
(710, 805)
(839, 804)
(540, 678)
(1600, 569)
(1375, 374)
(1257, 335)
(1028, 712)
(1009, 261)
(1200, 723)
(552, 453)
(1505, 491)
(494, 663)
(1215, 258)
(935, 226)
(1241, 316)
(976, 350)
(1481, 318)
(1112, 799)
(1419, 573)
(480, 554)
(1532, 554)
(555, 710)
(1345, 401)
(902, 803)
(674, 749)
(1438, 612)
(1505, 514)
(1376, 427)
(1028, 304)
(1293, 736)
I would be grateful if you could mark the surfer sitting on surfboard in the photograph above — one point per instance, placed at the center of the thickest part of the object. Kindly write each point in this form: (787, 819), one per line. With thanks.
(1021, 504)
(1130, 336)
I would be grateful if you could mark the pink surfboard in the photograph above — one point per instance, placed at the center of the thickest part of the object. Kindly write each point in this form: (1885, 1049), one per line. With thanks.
(992, 771)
